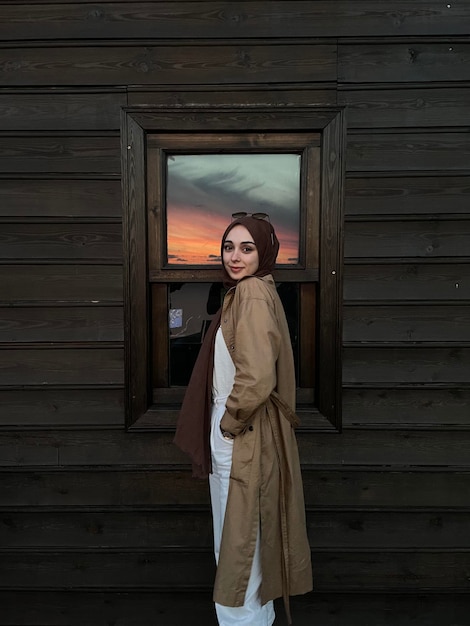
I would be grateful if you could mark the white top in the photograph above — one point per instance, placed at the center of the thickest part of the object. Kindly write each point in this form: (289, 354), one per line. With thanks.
(224, 369)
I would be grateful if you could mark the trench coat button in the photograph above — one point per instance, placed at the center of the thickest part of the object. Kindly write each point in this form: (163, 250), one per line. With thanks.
(250, 427)
(225, 321)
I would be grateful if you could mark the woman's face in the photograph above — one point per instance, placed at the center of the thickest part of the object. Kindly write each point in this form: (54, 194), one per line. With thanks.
(240, 255)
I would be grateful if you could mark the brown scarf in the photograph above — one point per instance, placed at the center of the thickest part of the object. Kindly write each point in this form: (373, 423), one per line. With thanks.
(193, 425)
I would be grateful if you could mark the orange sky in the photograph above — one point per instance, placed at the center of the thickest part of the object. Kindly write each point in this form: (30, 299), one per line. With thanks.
(193, 236)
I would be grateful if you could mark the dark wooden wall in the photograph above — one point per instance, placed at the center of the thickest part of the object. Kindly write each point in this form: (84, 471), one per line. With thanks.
(108, 515)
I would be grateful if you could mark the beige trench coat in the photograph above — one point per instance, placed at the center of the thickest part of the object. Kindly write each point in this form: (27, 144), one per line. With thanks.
(265, 481)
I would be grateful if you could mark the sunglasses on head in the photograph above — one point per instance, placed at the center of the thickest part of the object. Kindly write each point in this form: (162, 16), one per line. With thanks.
(256, 216)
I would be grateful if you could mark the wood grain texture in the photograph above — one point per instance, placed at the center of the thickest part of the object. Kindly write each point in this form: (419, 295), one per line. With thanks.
(145, 65)
(406, 108)
(407, 281)
(298, 119)
(97, 569)
(392, 447)
(30, 324)
(407, 487)
(98, 242)
(442, 408)
(329, 296)
(433, 238)
(262, 94)
(202, 19)
(414, 323)
(114, 529)
(65, 154)
(113, 486)
(94, 608)
(308, 334)
(69, 198)
(61, 408)
(53, 110)
(384, 152)
(136, 287)
(61, 366)
(415, 195)
(90, 284)
(160, 366)
(403, 62)
(406, 365)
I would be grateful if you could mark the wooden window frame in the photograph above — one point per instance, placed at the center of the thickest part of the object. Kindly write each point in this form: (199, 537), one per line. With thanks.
(146, 133)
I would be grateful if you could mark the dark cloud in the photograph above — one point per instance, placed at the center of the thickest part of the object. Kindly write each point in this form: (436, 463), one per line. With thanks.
(224, 191)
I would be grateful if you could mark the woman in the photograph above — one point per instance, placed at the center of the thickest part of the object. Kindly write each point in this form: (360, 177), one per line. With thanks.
(236, 424)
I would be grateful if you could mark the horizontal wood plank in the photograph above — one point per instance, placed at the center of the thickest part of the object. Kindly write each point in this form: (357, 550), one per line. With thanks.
(67, 283)
(60, 154)
(434, 238)
(120, 486)
(68, 242)
(407, 282)
(110, 569)
(69, 198)
(61, 366)
(116, 447)
(334, 570)
(62, 407)
(110, 529)
(301, 94)
(394, 365)
(125, 530)
(392, 571)
(150, 64)
(61, 241)
(96, 608)
(387, 152)
(406, 323)
(340, 486)
(420, 407)
(387, 447)
(93, 608)
(32, 324)
(60, 111)
(202, 19)
(403, 62)
(407, 195)
(406, 108)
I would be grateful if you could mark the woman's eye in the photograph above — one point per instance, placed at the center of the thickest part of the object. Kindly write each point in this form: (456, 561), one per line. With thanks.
(247, 250)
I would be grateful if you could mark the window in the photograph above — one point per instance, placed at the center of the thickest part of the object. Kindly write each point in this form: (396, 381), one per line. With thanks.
(185, 173)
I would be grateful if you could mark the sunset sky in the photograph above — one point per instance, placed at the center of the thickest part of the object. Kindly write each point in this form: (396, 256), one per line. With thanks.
(204, 190)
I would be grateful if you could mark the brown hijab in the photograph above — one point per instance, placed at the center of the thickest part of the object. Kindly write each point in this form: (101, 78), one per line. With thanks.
(193, 425)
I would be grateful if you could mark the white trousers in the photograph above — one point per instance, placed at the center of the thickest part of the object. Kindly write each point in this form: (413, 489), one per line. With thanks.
(252, 613)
